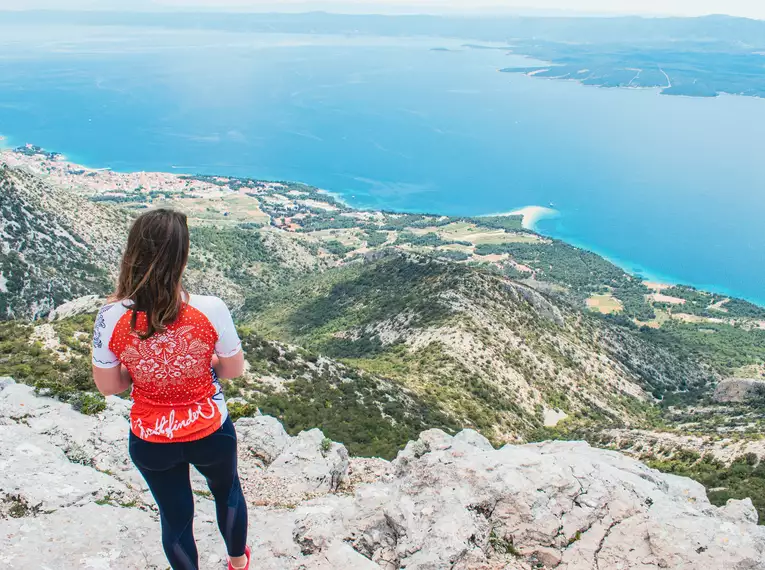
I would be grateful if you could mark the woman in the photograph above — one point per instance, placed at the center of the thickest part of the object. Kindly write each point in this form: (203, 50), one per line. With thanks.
(171, 348)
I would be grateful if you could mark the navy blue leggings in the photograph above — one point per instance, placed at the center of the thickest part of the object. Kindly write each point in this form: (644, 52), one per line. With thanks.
(165, 466)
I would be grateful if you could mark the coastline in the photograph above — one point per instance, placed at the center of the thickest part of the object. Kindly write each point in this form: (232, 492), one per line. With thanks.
(650, 276)
(532, 216)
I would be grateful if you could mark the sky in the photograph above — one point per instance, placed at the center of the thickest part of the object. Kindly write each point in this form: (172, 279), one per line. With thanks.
(746, 8)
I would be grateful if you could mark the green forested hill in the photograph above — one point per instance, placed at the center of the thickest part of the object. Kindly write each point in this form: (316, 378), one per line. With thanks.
(495, 354)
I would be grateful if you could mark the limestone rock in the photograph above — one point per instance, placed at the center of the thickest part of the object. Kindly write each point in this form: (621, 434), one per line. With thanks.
(537, 301)
(44, 478)
(368, 470)
(99, 441)
(89, 536)
(263, 437)
(320, 521)
(79, 306)
(558, 504)
(740, 511)
(341, 555)
(69, 496)
(472, 437)
(311, 464)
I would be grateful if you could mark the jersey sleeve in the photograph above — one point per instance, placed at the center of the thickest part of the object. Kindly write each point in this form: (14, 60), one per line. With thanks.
(102, 335)
(228, 340)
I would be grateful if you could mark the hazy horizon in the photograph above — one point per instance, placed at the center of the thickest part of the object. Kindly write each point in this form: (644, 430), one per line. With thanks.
(741, 8)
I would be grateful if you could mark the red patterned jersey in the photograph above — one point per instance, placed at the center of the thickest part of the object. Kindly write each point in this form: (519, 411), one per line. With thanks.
(176, 394)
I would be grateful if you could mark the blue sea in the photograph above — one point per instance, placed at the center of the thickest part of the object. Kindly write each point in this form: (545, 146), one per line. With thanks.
(670, 187)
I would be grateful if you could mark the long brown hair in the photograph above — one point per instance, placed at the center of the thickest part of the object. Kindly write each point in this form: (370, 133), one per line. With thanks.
(152, 267)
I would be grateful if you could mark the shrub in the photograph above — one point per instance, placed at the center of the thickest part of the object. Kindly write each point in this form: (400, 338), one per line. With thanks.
(89, 404)
(238, 410)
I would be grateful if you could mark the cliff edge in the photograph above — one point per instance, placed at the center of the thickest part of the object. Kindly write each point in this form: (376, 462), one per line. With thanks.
(70, 498)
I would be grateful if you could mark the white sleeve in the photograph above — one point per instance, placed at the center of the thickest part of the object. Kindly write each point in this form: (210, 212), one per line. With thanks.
(102, 333)
(219, 316)
(228, 340)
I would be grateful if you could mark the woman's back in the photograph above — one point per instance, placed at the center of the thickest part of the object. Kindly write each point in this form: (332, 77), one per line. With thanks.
(175, 391)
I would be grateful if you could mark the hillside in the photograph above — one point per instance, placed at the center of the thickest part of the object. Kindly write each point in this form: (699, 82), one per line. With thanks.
(301, 228)
(56, 245)
(496, 354)
(375, 415)
(235, 262)
(59, 244)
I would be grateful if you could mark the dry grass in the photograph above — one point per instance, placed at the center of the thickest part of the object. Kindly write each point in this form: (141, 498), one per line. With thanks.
(605, 304)
(232, 208)
(467, 232)
(661, 298)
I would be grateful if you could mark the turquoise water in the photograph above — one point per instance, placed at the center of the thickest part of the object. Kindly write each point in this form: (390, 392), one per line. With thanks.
(671, 187)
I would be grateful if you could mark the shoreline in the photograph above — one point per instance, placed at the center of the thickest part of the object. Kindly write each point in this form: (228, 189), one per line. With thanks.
(649, 276)
(532, 216)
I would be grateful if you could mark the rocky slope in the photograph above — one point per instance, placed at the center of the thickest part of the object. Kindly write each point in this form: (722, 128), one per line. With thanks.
(738, 390)
(55, 245)
(69, 498)
(668, 443)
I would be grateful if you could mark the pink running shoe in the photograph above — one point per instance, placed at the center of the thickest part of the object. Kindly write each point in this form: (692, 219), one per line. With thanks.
(246, 566)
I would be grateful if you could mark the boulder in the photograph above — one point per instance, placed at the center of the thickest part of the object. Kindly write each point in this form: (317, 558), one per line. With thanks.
(742, 511)
(263, 437)
(310, 463)
(472, 437)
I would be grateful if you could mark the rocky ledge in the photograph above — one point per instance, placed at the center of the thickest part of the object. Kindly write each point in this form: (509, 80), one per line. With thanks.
(69, 498)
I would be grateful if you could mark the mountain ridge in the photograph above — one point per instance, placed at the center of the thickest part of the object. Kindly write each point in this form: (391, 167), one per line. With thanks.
(483, 328)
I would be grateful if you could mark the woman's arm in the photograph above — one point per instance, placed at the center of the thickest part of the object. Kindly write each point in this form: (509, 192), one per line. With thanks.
(111, 381)
(228, 367)
(228, 343)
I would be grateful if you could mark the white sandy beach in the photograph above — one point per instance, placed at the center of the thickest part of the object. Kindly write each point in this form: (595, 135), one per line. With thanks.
(532, 215)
